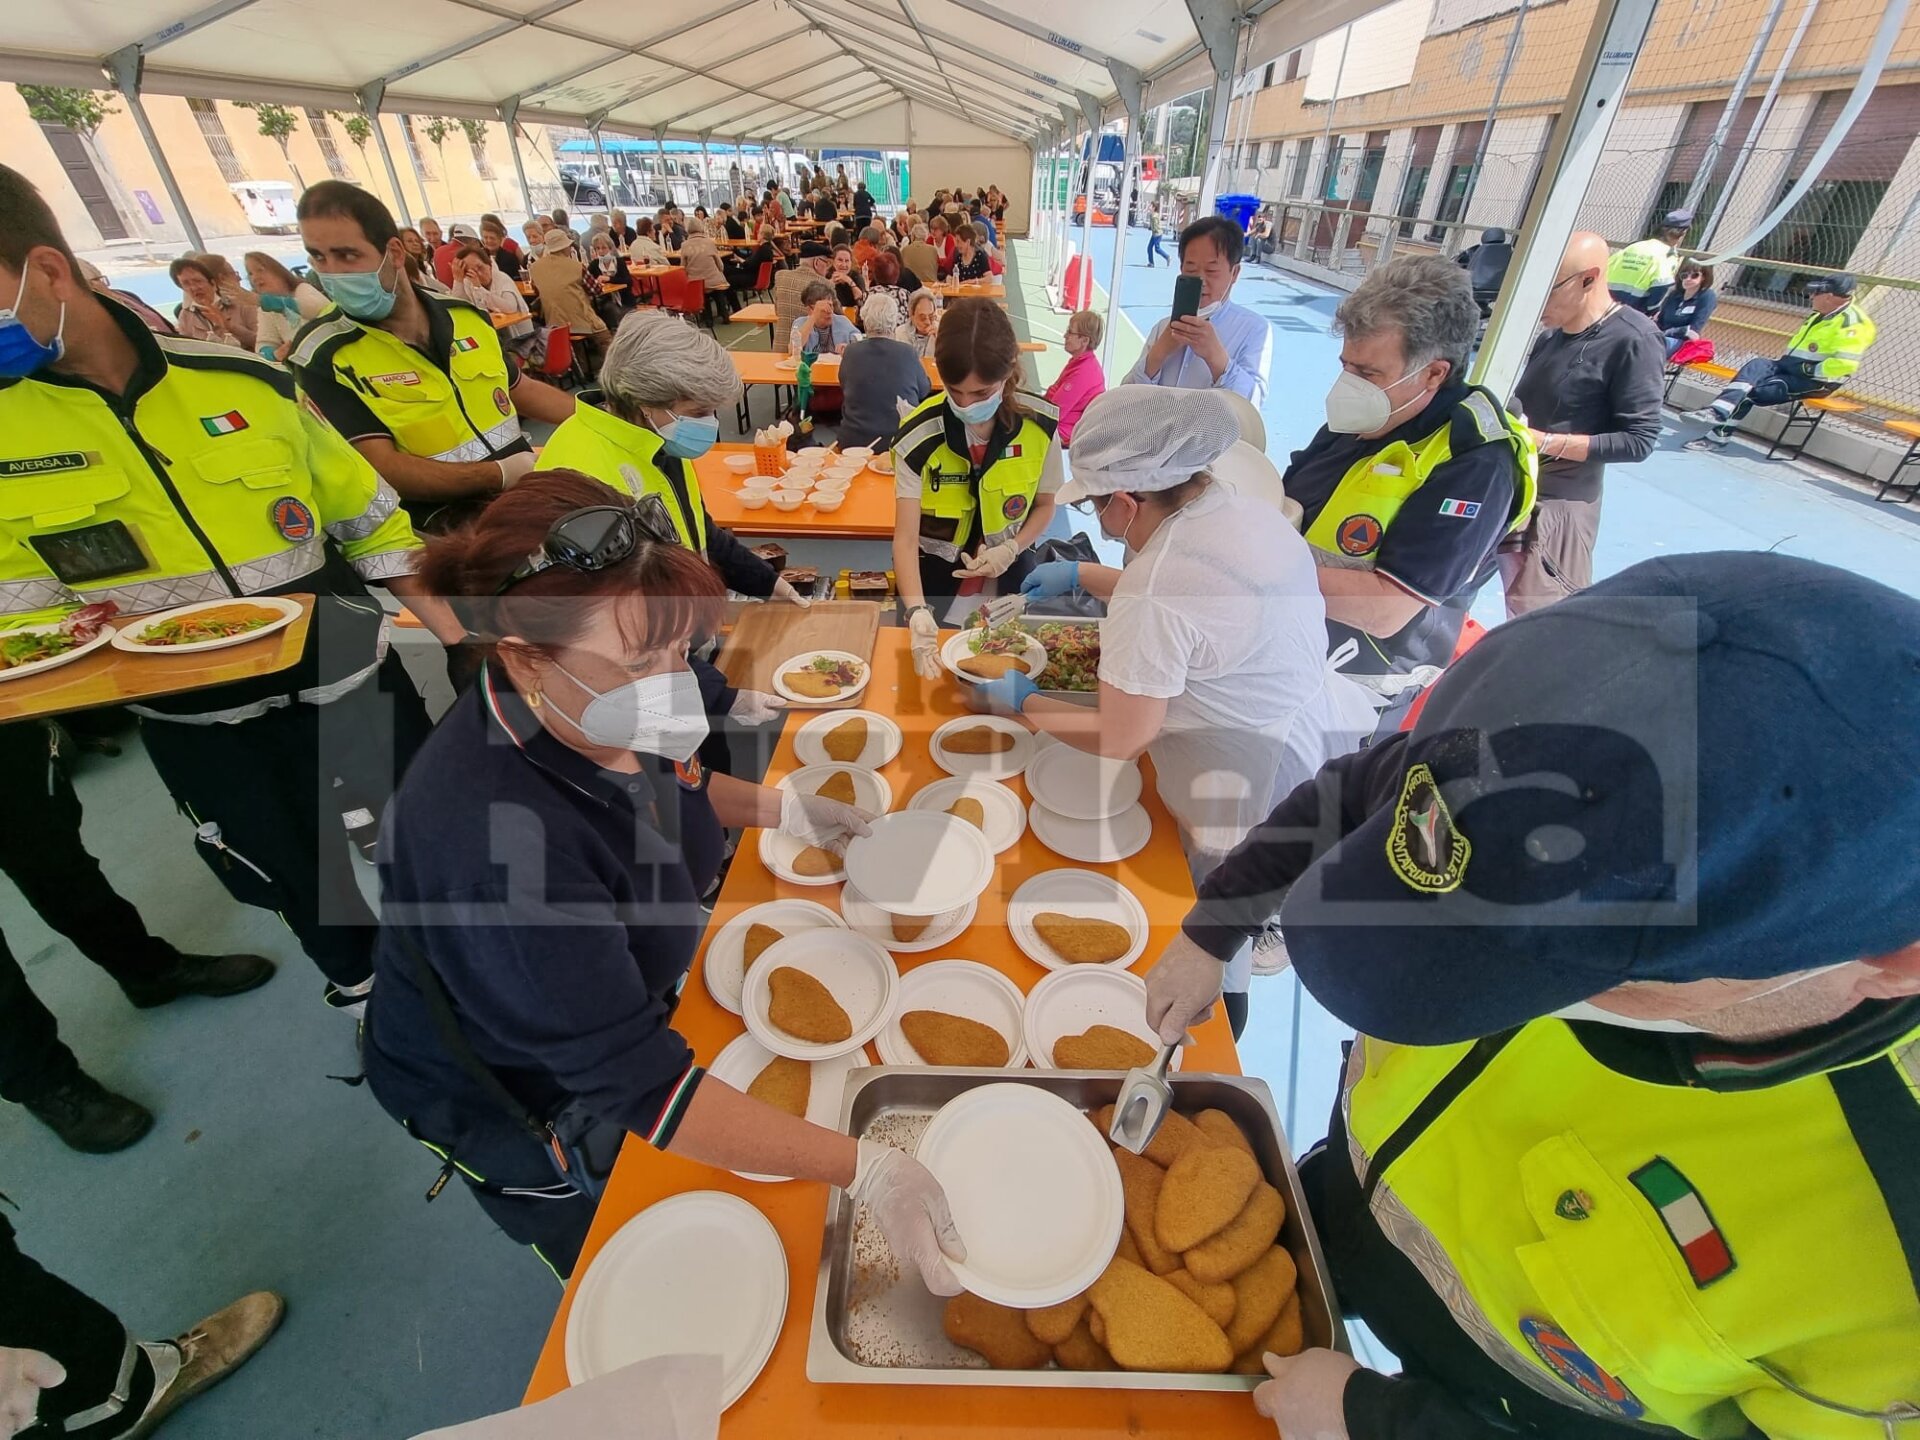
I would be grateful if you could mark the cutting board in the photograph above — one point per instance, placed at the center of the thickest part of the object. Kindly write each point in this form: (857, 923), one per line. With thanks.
(766, 636)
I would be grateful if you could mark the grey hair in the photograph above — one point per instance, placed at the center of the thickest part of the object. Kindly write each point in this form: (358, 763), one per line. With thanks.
(918, 234)
(880, 313)
(1424, 297)
(696, 226)
(659, 359)
(816, 291)
(872, 234)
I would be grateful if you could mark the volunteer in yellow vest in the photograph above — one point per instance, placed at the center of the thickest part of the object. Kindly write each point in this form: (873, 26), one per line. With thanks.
(662, 387)
(975, 471)
(1821, 357)
(1641, 274)
(1415, 478)
(1632, 1129)
(151, 471)
(418, 382)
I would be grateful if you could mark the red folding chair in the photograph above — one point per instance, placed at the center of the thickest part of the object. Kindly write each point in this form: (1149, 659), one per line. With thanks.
(557, 364)
(763, 283)
(680, 295)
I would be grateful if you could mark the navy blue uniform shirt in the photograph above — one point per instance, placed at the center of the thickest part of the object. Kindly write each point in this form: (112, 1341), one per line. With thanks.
(1432, 550)
(559, 905)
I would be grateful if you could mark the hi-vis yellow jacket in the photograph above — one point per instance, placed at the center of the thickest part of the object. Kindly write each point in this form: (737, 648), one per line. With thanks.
(954, 493)
(1726, 1261)
(207, 480)
(1833, 345)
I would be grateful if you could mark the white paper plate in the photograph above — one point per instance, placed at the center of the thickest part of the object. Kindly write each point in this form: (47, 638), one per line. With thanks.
(721, 967)
(858, 972)
(883, 739)
(917, 862)
(1081, 786)
(1004, 766)
(127, 637)
(742, 1061)
(54, 662)
(1034, 1190)
(871, 792)
(1084, 894)
(1092, 842)
(956, 650)
(881, 464)
(1073, 1001)
(865, 918)
(807, 657)
(1006, 816)
(697, 1273)
(779, 850)
(957, 987)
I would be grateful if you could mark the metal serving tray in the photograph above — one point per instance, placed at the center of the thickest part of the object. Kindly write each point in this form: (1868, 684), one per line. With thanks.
(874, 1324)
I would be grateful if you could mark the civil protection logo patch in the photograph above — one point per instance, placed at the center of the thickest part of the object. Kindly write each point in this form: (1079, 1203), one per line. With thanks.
(1359, 535)
(1423, 846)
(292, 518)
(1015, 506)
(501, 402)
(1574, 1367)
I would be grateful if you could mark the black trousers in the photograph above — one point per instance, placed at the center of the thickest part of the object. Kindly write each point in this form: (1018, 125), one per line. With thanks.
(42, 1312)
(1767, 382)
(277, 786)
(41, 852)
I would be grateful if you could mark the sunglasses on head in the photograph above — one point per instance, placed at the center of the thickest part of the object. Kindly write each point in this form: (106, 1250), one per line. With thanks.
(598, 538)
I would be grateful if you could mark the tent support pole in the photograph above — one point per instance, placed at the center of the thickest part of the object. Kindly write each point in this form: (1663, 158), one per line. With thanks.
(1090, 109)
(370, 99)
(1217, 22)
(510, 113)
(1063, 196)
(706, 171)
(126, 78)
(606, 172)
(1130, 85)
(1618, 31)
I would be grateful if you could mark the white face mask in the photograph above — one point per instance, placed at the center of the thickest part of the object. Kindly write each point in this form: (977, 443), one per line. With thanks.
(656, 715)
(1360, 407)
(1587, 1010)
(1207, 312)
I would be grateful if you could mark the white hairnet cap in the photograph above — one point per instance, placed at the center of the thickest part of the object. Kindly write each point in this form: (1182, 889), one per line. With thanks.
(1144, 437)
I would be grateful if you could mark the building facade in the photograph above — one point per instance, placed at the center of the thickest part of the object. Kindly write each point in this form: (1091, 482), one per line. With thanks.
(105, 188)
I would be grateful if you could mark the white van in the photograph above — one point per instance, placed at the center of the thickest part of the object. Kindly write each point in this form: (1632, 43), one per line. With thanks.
(269, 205)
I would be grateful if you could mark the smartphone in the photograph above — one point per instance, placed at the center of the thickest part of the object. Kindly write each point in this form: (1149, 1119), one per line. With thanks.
(1186, 296)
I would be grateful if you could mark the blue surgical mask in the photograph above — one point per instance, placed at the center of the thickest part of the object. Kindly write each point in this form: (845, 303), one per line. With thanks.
(688, 437)
(361, 293)
(20, 353)
(978, 413)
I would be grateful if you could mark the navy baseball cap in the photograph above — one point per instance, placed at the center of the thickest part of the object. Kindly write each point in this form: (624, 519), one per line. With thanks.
(1836, 284)
(1677, 220)
(1700, 768)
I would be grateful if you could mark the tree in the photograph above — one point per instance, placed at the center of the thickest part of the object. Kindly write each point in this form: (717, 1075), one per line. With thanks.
(358, 129)
(437, 129)
(81, 111)
(278, 123)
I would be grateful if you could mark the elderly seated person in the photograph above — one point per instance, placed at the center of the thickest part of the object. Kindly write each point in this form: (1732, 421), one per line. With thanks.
(605, 268)
(970, 260)
(789, 286)
(478, 280)
(919, 259)
(561, 283)
(702, 260)
(644, 247)
(880, 379)
(286, 303)
(923, 323)
(207, 314)
(872, 240)
(821, 329)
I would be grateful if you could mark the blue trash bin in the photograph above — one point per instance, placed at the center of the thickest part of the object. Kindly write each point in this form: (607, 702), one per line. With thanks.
(1237, 208)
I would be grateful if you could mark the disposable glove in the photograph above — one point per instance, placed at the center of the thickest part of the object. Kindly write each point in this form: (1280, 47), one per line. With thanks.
(512, 467)
(1005, 696)
(1051, 579)
(783, 591)
(1181, 988)
(926, 643)
(912, 1213)
(989, 561)
(756, 707)
(816, 820)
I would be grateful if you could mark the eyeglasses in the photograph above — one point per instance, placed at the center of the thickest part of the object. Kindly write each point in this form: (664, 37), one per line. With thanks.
(597, 538)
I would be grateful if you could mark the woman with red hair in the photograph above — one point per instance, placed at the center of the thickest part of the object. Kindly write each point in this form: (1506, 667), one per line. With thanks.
(541, 871)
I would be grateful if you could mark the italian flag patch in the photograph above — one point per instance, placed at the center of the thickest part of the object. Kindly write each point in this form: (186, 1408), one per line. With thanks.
(1687, 1219)
(223, 424)
(465, 342)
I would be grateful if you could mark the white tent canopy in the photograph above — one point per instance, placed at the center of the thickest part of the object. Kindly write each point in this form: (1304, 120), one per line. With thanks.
(868, 72)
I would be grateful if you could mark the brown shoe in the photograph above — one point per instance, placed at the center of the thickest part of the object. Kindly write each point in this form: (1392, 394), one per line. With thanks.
(211, 1351)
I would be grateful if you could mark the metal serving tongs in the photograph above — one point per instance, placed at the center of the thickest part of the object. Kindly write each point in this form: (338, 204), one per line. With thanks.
(1145, 1098)
(1003, 608)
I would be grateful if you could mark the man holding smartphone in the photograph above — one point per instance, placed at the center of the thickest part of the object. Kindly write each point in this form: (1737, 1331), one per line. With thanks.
(1208, 342)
